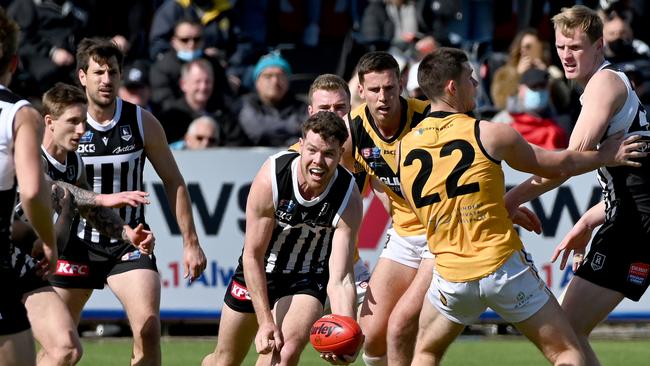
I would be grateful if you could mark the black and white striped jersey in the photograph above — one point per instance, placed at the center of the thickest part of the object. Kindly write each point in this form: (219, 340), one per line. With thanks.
(627, 188)
(113, 155)
(9, 105)
(302, 238)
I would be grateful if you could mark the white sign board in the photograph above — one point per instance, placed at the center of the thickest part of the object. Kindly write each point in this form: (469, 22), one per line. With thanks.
(218, 182)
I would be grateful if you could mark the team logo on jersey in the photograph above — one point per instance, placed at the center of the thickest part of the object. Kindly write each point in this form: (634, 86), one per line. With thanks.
(598, 261)
(125, 133)
(638, 273)
(86, 137)
(71, 173)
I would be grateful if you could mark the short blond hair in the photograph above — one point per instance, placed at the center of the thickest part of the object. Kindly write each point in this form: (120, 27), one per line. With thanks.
(579, 17)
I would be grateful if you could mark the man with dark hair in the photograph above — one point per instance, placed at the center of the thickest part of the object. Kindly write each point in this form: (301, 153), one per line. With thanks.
(21, 128)
(119, 137)
(450, 173)
(302, 216)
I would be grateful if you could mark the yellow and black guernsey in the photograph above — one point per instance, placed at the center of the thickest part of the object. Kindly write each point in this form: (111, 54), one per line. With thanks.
(457, 190)
(375, 155)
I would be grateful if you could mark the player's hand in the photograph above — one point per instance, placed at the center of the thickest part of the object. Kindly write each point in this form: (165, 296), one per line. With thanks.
(51, 256)
(194, 261)
(527, 219)
(341, 359)
(268, 338)
(42, 264)
(142, 239)
(576, 240)
(121, 199)
(618, 151)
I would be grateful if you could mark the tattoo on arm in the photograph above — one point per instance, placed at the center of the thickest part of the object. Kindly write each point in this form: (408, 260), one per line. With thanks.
(82, 197)
(106, 221)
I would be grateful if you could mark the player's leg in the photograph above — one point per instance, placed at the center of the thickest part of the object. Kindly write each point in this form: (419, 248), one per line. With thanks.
(403, 321)
(390, 278)
(295, 315)
(139, 292)
(74, 299)
(53, 328)
(17, 349)
(585, 305)
(436, 332)
(552, 334)
(236, 333)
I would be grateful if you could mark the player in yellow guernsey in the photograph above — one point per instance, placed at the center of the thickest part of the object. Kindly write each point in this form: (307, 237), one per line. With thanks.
(450, 172)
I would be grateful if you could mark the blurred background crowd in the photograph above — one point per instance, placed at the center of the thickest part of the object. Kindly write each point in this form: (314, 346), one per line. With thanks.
(236, 72)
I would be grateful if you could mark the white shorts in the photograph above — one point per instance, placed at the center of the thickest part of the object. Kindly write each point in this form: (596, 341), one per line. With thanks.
(406, 250)
(361, 278)
(514, 291)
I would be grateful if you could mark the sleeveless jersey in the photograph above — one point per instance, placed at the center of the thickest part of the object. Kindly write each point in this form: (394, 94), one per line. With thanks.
(296, 148)
(113, 155)
(457, 189)
(627, 188)
(10, 103)
(376, 156)
(302, 237)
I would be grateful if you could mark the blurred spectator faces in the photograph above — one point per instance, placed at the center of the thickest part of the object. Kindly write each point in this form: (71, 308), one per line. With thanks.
(197, 83)
(533, 91)
(135, 87)
(271, 75)
(618, 38)
(201, 134)
(188, 41)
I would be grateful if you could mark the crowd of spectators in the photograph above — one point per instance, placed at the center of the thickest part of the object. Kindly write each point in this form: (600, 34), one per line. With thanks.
(240, 69)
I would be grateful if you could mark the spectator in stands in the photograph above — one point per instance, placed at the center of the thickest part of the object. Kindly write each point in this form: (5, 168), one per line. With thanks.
(136, 88)
(202, 133)
(214, 15)
(49, 32)
(529, 112)
(527, 51)
(187, 45)
(272, 115)
(620, 44)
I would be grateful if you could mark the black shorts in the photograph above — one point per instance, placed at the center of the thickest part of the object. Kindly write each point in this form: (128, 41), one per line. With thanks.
(13, 316)
(25, 268)
(80, 266)
(619, 257)
(278, 286)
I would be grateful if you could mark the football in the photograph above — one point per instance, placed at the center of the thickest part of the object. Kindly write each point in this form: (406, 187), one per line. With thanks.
(337, 334)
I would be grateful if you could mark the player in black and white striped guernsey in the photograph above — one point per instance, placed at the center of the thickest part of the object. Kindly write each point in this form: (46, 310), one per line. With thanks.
(20, 136)
(302, 217)
(119, 137)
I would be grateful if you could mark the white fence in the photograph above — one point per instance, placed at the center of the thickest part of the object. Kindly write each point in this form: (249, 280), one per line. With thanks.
(218, 183)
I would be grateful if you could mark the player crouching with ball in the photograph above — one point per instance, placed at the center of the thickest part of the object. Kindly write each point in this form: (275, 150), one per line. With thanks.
(302, 217)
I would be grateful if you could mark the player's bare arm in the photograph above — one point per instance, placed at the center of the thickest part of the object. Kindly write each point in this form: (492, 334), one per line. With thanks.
(603, 97)
(34, 194)
(260, 221)
(157, 151)
(341, 287)
(577, 239)
(86, 197)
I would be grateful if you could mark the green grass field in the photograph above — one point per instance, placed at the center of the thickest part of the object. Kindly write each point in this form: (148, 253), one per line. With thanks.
(466, 351)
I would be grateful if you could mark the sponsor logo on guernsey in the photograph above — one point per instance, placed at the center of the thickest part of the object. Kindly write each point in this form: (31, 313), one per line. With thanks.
(72, 269)
(86, 148)
(86, 137)
(239, 292)
(598, 261)
(125, 133)
(105, 140)
(131, 256)
(120, 149)
(638, 273)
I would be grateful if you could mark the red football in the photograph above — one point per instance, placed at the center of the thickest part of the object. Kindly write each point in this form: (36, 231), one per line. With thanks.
(338, 334)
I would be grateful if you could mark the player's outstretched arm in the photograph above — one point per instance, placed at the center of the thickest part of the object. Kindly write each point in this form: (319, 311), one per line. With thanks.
(161, 158)
(260, 221)
(578, 238)
(341, 288)
(34, 193)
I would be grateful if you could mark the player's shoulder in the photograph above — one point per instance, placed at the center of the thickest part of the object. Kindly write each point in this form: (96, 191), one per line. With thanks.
(357, 113)
(418, 105)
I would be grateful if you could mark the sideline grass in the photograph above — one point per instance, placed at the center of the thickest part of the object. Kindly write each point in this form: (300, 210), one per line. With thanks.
(467, 351)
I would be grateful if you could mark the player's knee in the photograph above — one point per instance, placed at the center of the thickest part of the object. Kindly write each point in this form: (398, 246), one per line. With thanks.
(68, 353)
(290, 353)
(149, 331)
(401, 327)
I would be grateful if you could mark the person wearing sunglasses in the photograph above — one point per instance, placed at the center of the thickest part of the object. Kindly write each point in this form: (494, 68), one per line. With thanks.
(202, 133)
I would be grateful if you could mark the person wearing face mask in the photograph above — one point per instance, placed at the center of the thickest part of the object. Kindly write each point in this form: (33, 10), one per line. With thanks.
(620, 44)
(187, 45)
(530, 112)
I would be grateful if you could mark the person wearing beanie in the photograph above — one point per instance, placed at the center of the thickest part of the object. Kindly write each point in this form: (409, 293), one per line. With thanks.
(272, 115)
